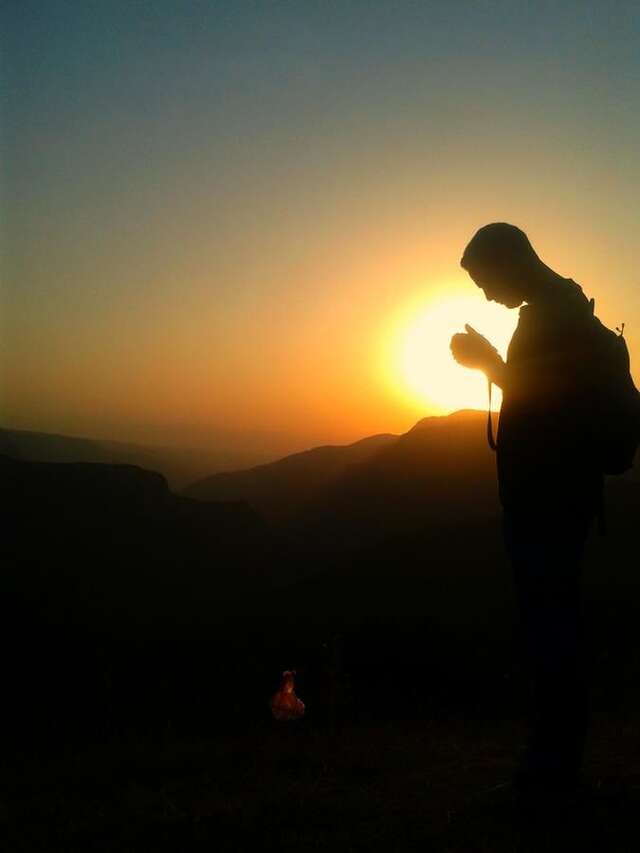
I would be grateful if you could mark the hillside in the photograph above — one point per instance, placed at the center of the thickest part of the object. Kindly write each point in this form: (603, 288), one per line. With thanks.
(438, 473)
(115, 543)
(330, 498)
(180, 466)
(278, 489)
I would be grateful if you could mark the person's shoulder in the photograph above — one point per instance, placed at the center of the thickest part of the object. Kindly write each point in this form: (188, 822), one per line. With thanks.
(573, 292)
(567, 303)
(565, 314)
(565, 292)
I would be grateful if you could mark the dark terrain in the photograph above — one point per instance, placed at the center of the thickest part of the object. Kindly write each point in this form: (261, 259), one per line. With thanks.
(146, 631)
(402, 785)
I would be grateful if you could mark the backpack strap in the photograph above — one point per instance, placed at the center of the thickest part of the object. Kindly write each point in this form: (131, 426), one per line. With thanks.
(490, 438)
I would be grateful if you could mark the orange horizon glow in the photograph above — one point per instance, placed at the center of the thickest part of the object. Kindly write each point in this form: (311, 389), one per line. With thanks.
(256, 256)
(364, 350)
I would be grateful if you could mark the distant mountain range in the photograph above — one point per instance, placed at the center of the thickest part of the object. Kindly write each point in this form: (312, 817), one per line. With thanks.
(285, 489)
(278, 489)
(438, 469)
(179, 465)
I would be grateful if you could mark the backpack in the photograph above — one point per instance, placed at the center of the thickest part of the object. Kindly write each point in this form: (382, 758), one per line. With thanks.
(614, 401)
(615, 414)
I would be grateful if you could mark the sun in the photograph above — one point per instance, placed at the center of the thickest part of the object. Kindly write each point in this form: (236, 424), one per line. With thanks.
(422, 364)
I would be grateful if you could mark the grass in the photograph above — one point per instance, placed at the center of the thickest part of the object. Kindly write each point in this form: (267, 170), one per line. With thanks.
(405, 785)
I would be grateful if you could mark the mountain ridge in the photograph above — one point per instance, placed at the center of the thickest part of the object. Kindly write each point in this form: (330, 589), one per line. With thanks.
(180, 466)
(281, 489)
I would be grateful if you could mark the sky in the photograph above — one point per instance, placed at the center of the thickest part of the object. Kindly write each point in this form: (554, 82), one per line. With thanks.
(229, 222)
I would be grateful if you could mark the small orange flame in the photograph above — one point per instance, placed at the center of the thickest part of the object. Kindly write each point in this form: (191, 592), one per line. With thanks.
(285, 705)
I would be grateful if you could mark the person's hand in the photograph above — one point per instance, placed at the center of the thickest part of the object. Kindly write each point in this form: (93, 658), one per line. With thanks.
(471, 349)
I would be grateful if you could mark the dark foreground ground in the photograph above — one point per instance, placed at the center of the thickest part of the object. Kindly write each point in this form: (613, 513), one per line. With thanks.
(408, 785)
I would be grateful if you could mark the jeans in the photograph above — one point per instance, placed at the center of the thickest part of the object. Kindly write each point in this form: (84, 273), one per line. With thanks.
(546, 552)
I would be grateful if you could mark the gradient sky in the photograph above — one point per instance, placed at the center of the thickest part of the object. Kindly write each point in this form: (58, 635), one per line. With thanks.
(217, 216)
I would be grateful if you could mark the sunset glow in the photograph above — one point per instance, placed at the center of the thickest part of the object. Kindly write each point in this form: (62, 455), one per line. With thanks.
(422, 361)
(266, 257)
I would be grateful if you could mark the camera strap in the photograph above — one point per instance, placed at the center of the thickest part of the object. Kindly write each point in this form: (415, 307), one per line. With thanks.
(490, 438)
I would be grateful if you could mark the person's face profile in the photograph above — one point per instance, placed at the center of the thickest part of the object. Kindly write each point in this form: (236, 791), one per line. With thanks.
(497, 288)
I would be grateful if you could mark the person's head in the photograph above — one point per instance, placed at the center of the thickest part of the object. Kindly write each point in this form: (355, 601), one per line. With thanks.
(500, 260)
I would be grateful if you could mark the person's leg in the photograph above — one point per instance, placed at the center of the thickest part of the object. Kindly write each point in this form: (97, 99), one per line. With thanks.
(546, 559)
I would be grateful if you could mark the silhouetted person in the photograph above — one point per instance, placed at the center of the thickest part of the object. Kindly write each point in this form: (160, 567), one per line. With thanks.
(550, 485)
